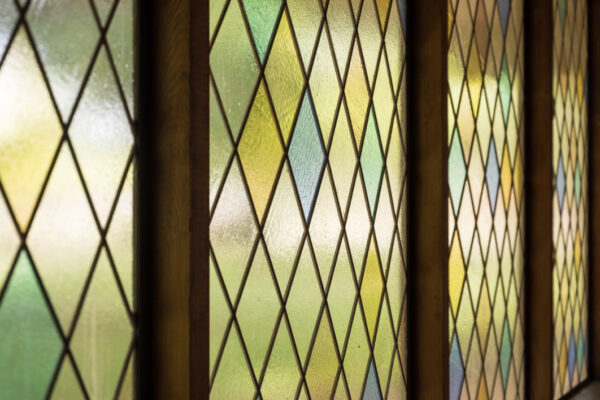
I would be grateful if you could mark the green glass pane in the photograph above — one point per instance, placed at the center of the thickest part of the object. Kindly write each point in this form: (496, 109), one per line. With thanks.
(262, 16)
(234, 67)
(371, 161)
(30, 345)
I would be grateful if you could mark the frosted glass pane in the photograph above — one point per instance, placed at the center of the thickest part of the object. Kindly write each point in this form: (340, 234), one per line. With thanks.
(486, 202)
(570, 201)
(308, 218)
(67, 177)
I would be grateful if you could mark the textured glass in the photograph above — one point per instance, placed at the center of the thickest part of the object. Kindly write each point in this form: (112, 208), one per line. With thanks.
(307, 200)
(67, 182)
(486, 202)
(570, 200)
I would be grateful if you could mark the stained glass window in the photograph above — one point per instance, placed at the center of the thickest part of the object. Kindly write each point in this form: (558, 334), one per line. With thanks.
(307, 199)
(485, 204)
(570, 200)
(66, 199)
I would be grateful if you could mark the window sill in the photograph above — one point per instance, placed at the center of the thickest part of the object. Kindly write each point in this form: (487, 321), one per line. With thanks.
(589, 392)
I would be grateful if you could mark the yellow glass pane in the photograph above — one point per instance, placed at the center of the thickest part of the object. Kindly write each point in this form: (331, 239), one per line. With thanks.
(260, 151)
(29, 121)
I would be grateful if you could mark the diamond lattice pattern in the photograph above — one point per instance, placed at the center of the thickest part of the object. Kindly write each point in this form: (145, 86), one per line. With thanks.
(66, 199)
(307, 199)
(485, 203)
(570, 200)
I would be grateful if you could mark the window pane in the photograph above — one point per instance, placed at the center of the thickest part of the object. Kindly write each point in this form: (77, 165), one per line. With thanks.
(485, 204)
(67, 166)
(570, 200)
(307, 199)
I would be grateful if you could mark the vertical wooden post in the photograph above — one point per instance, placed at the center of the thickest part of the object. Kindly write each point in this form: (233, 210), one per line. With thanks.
(428, 182)
(539, 109)
(594, 186)
(163, 254)
(200, 221)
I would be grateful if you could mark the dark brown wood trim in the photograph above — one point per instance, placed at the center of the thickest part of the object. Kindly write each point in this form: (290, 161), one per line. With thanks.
(538, 186)
(594, 186)
(164, 200)
(143, 207)
(428, 350)
(199, 249)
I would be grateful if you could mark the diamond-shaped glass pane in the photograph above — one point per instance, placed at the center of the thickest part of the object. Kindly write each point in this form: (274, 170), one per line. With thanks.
(485, 139)
(308, 215)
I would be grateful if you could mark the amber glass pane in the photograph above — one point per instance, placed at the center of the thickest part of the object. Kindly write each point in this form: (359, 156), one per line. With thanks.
(485, 204)
(570, 200)
(67, 165)
(307, 200)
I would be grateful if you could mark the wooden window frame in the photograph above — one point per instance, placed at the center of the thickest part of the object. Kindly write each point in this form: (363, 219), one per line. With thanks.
(173, 302)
